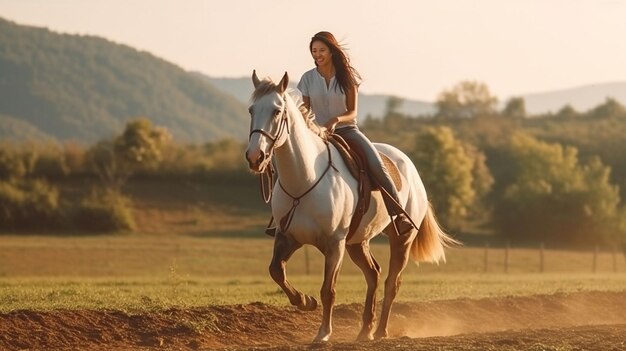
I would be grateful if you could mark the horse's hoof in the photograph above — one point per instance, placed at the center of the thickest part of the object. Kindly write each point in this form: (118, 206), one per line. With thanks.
(367, 336)
(321, 339)
(381, 335)
(310, 304)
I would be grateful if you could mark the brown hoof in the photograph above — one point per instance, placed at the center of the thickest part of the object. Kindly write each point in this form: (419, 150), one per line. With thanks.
(367, 336)
(381, 335)
(310, 304)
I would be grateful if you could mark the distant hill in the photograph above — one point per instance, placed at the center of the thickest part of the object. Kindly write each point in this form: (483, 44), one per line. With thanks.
(581, 98)
(373, 105)
(59, 86)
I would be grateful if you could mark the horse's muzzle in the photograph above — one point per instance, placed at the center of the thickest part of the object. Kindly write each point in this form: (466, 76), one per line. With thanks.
(256, 161)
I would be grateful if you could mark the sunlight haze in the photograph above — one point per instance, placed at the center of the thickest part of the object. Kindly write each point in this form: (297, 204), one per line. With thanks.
(412, 49)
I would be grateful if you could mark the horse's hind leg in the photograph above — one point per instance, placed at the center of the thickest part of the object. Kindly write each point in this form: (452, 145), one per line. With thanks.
(333, 254)
(362, 257)
(400, 246)
(284, 247)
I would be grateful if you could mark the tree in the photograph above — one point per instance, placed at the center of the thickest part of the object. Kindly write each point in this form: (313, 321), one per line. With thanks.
(25, 202)
(515, 108)
(138, 147)
(225, 155)
(611, 108)
(467, 99)
(449, 170)
(567, 112)
(482, 179)
(555, 199)
(393, 118)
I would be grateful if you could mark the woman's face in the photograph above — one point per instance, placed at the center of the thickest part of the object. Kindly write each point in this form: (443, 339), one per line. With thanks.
(321, 53)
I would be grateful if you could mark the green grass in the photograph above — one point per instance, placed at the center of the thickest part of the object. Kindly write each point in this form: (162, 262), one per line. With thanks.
(151, 272)
(156, 294)
(209, 257)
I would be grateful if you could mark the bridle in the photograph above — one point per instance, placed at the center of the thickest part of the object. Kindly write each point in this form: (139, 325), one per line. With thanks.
(266, 178)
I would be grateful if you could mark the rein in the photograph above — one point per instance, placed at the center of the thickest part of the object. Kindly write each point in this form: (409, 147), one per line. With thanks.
(266, 178)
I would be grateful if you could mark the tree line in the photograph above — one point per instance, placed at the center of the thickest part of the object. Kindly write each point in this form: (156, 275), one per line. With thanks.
(30, 176)
(557, 177)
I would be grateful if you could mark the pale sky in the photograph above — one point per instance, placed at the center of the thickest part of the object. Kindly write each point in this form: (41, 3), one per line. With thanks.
(412, 49)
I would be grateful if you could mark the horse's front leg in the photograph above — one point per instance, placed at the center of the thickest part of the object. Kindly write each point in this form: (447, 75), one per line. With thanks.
(284, 247)
(333, 253)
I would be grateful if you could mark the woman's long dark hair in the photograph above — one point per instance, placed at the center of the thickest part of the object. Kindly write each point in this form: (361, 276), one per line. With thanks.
(346, 75)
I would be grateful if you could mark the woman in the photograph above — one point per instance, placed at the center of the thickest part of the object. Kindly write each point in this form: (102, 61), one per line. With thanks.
(330, 90)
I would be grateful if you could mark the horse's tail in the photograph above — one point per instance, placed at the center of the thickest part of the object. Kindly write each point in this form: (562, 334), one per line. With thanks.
(431, 240)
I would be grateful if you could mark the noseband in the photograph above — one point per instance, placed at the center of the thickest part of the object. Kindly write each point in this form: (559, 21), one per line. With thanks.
(266, 178)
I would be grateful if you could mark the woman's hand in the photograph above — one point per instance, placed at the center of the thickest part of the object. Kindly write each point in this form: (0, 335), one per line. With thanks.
(331, 124)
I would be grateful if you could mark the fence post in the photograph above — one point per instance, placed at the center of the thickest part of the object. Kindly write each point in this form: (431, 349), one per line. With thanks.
(506, 256)
(307, 267)
(541, 260)
(614, 260)
(594, 267)
(486, 268)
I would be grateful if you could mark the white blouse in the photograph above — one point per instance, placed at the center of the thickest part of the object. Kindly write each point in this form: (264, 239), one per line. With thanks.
(327, 102)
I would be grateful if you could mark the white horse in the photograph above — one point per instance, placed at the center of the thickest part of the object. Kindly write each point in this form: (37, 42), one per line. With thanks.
(317, 196)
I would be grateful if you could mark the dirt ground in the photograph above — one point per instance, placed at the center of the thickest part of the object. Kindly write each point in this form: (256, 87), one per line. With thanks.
(579, 321)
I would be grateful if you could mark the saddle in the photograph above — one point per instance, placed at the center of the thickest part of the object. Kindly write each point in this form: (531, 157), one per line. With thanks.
(357, 165)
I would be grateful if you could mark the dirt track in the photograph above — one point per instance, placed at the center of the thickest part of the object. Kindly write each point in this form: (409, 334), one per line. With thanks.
(581, 321)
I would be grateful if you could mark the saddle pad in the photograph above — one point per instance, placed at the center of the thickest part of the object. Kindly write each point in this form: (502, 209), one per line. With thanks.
(349, 156)
(393, 170)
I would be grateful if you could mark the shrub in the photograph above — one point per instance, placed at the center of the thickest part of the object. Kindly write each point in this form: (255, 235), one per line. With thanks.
(29, 205)
(105, 211)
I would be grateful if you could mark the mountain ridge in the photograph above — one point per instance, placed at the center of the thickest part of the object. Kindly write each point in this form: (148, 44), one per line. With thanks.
(86, 88)
(57, 86)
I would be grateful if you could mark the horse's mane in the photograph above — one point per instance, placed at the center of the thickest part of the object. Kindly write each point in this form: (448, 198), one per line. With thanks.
(267, 86)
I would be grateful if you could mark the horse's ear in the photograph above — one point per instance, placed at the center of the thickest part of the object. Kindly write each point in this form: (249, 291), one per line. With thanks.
(282, 86)
(255, 79)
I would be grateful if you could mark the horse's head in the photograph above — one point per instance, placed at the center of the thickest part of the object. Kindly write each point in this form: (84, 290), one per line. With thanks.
(268, 121)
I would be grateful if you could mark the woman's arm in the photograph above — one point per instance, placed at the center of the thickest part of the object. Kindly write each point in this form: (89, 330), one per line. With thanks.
(352, 97)
(307, 102)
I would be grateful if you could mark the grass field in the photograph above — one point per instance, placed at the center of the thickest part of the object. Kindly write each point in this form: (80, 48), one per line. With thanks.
(147, 272)
(189, 279)
(202, 244)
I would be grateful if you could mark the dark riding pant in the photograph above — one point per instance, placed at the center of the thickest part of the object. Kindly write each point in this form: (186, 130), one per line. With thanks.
(376, 168)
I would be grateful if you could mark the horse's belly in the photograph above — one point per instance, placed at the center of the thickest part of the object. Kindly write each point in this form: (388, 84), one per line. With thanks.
(372, 223)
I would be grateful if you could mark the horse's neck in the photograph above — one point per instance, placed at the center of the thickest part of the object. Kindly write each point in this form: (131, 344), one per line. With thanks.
(298, 160)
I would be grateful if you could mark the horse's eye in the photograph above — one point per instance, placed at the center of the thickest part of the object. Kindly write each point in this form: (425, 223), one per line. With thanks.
(276, 113)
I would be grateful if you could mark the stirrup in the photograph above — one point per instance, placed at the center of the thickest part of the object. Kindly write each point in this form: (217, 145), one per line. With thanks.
(402, 224)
